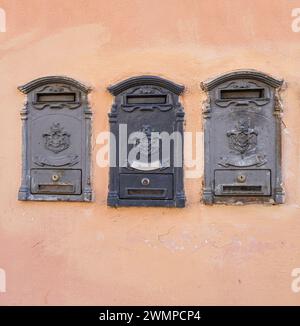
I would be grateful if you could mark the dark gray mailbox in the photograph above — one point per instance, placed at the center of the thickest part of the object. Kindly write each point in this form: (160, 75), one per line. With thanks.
(56, 140)
(145, 115)
(242, 126)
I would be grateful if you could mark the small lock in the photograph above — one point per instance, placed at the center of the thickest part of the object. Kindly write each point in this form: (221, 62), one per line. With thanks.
(55, 177)
(145, 181)
(241, 178)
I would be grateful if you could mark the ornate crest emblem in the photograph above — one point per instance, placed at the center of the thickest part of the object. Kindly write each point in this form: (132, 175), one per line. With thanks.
(57, 140)
(243, 141)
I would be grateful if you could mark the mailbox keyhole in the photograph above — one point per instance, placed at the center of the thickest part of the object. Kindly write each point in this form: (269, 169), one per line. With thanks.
(55, 177)
(145, 181)
(241, 178)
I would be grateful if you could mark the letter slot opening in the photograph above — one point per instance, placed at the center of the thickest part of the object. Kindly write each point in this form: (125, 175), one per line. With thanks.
(146, 192)
(55, 189)
(148, 99)
(242, 189)
(242, 93)
(63, 97)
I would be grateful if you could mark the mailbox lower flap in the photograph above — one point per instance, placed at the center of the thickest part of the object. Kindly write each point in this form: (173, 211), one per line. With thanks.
(242, 182)
(151, 186)
(53, 182)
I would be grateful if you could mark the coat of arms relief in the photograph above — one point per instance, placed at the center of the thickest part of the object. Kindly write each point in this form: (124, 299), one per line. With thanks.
(56, 140)
(242, 141)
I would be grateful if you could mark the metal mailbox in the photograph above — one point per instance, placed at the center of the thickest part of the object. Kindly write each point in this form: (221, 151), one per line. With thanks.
(56, 140)
(242, 127)
(148, 106)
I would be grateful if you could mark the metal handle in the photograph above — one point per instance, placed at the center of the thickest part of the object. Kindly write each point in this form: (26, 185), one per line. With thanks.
(145, 181)
(241, 178)
(55, 177)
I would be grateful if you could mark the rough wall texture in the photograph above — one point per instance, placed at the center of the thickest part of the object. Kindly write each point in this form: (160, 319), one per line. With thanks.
(81, 253)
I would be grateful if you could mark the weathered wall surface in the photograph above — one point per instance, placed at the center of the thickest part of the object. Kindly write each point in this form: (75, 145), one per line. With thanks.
(87, 253)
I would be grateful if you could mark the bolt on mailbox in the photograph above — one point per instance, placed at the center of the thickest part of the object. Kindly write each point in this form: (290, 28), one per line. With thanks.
(242, 131)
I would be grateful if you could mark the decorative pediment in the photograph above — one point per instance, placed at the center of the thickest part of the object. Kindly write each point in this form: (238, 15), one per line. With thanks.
(241, 74)
(145, 81)
(39, 82)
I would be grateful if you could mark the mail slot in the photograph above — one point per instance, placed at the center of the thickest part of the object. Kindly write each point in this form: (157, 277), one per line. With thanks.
(242, 137)
(147, 99)
(242, 93)
(62, 97)
(56, 140)
(145, 110)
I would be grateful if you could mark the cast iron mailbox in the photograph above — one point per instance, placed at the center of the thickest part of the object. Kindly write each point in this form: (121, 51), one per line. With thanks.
(242, 127)
(56, 140)
(145, 113)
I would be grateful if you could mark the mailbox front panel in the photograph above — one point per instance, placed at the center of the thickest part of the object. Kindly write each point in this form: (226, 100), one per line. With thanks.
(242, 182)
(242, 128)
(56, 141)
(146, 107)
(55, 182)
(150, 186)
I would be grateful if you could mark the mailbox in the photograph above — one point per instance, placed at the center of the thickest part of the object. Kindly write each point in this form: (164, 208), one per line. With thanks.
(146, 114)
(56, 140)
(242, 128)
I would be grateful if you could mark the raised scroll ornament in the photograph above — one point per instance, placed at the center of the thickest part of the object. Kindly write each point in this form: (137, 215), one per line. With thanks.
(68, 160)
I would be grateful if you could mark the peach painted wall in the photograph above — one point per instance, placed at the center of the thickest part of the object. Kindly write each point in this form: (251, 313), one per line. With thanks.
(87, 253)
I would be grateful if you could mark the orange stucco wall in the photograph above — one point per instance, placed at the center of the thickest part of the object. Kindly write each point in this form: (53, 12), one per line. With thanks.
(87, 253)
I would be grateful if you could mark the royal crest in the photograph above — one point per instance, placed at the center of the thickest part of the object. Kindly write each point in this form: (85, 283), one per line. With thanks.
(57, 139)
(242, 139)
(243, 142)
